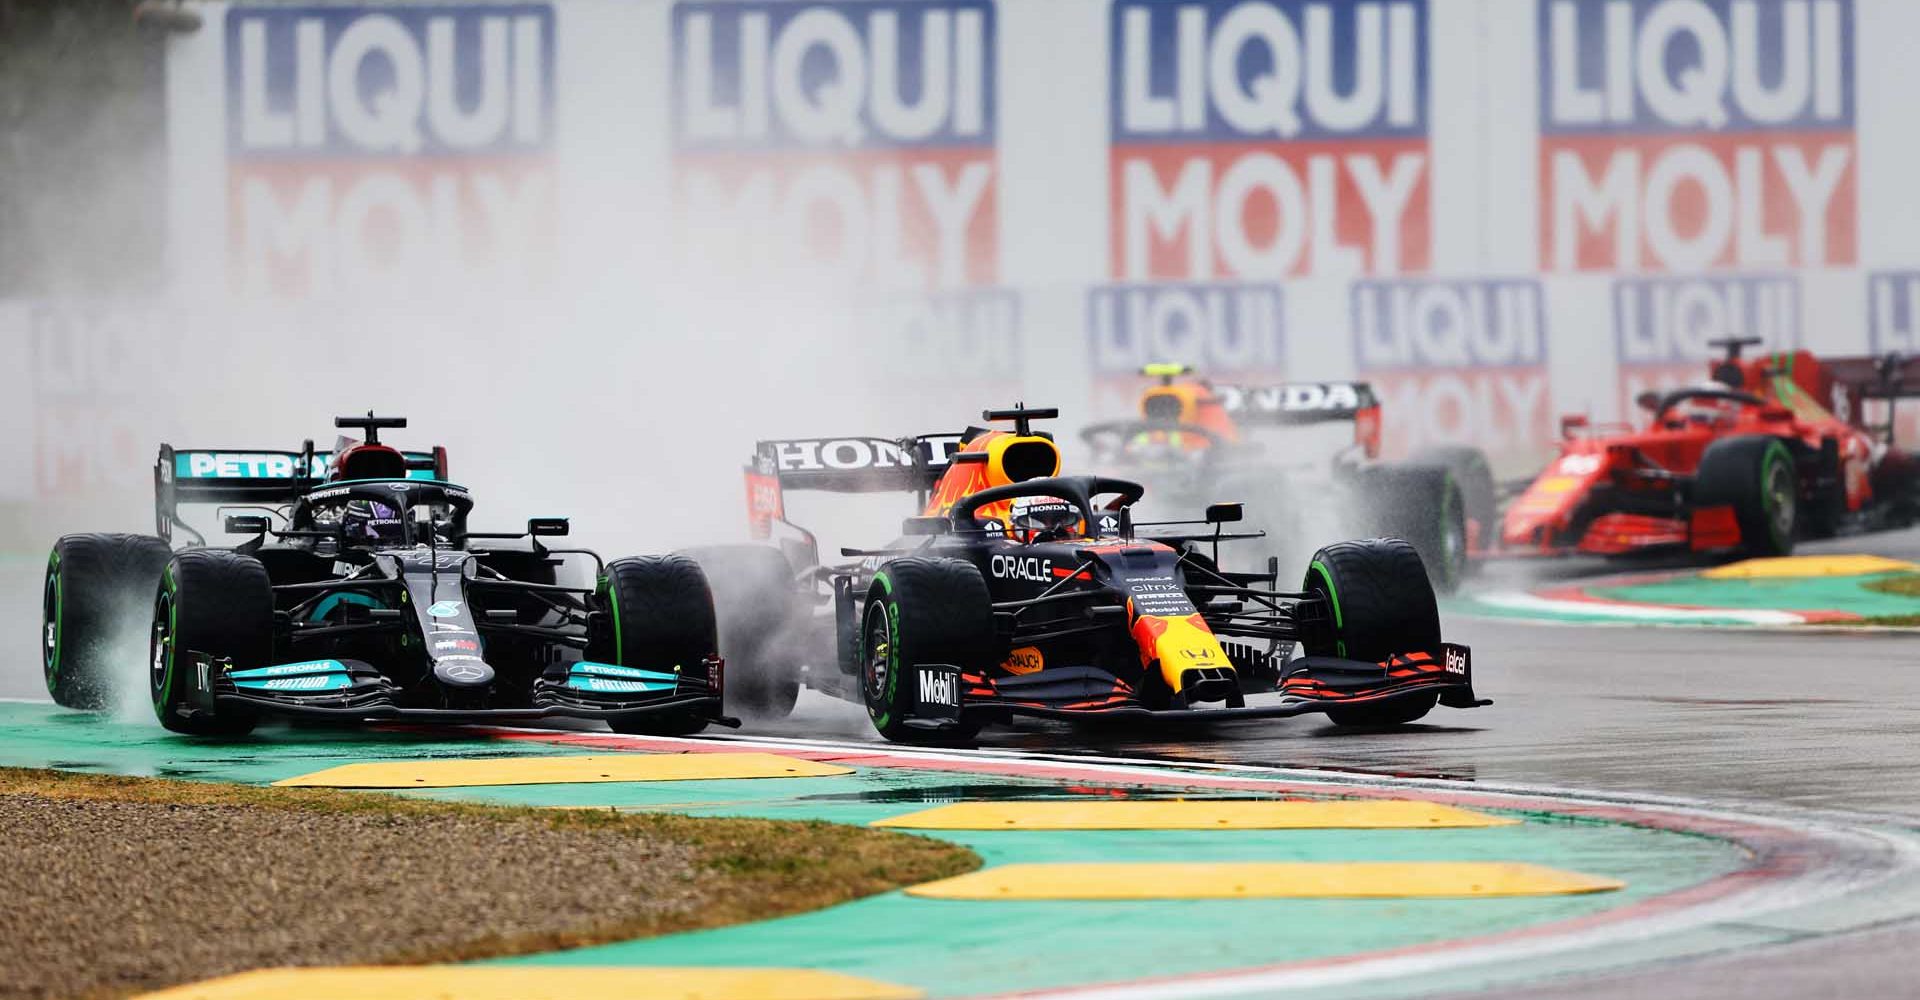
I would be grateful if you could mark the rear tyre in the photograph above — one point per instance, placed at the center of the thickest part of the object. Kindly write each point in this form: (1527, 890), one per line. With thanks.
(1382, 604)
(215, 602)
(1480, 498)
(662, 618)
(1757, 477)
(921, 610)
(760, 612)
(98, 587)
(1425, 506)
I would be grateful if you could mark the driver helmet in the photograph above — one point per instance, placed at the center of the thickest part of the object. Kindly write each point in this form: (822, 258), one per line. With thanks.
(1045, 518)
(372, 522)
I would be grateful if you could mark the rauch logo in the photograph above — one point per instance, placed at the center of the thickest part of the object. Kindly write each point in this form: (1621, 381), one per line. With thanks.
(384, 147)
(1690, 134)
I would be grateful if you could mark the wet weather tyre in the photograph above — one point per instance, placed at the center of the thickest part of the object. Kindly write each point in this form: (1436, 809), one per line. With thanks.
(1480, 497)
(1425, 506)
(1756, 476)
(98, 587)
(921, 610)
(1381, 603)
(660, 616)
(761, 614)
(215, 602)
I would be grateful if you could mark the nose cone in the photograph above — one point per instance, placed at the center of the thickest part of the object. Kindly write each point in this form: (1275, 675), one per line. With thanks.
(463, 671)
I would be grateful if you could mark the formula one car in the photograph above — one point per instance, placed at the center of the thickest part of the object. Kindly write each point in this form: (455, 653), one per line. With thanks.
(363, 595)
(1194, 438)
(1021, 592)
(1772, 449)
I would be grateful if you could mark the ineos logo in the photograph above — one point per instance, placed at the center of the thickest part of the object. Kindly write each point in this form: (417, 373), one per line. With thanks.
(1021, 568)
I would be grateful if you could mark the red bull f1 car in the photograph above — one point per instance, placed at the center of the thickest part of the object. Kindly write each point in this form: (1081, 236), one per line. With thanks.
(1771, 449)
(1021, 592)
(1194, 438)
(363, 595)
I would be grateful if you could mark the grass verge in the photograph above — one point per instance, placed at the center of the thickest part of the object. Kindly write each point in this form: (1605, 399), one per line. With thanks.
(118, 885)
(1901, 585)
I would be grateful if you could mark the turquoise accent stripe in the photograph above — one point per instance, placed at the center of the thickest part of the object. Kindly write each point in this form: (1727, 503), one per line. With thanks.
(332, 601)
(302, 677)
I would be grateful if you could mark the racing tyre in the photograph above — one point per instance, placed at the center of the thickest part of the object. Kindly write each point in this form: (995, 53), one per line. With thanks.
(759, 611)
(662, 619)
(1425, 506)
(1479, 497)
(97, 586)
(1382, 604)
(921, 610)
(1757, 477)
(215, 602)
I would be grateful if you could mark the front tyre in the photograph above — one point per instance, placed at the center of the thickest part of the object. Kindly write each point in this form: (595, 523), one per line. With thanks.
(921, 610)
(1756, 476)
(216, 603)
(1381, 603)
(97, 587)
(1425, 506)
(661, 613)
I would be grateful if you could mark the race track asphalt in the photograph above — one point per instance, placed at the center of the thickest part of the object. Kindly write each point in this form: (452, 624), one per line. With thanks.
(1820, 720)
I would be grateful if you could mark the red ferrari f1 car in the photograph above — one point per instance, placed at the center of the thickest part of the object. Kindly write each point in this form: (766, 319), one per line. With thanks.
(1773, 448)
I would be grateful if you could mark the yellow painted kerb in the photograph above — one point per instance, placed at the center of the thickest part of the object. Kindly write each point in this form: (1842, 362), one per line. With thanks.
(550, 770)
(1803, 566)
(1299, 814)
(1265, 880)
(496, 982)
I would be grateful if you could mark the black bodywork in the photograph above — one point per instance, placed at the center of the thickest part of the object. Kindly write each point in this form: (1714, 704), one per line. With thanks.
(1068, 617)
(437, 623)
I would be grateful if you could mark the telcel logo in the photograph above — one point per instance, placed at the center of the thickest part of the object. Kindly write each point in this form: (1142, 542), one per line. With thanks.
(1456, 661)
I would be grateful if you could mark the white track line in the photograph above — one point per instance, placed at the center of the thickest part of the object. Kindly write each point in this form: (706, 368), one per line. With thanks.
(1519, 601)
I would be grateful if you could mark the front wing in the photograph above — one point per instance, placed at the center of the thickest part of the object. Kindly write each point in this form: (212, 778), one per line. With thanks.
(363, 693)
(1311, 684)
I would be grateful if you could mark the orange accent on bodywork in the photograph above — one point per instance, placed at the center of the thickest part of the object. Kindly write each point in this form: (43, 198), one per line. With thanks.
(963, 479)
(1199, 407)
(1179, 644)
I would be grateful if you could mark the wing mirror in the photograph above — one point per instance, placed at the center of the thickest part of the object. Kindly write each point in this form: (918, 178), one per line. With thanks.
(1648, 401)
(246, 524)
(1573, 422)
(548, 527)
(1226, 513)
(935, 525)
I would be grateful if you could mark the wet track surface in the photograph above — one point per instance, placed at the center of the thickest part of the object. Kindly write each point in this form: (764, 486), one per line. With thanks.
(1820, 719)
(1823, 720)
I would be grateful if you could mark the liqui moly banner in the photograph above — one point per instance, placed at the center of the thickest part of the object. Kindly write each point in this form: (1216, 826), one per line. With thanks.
(387, 147)
(1682, 135)
(1455, 361)
(1664, 329)
(852, 141)
(1264, 139)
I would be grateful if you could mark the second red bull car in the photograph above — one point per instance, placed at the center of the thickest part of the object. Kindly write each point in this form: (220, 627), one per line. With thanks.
(1019, 591)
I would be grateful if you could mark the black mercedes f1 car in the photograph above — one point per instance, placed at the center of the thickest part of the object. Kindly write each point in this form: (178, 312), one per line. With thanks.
(363, 595)
(1022, 592)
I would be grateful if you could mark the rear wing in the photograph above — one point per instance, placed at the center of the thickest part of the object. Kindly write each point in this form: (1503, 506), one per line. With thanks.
(1296, 404)
(1889, 376)
(1291, 403)
(841, 465)
(251, 476)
